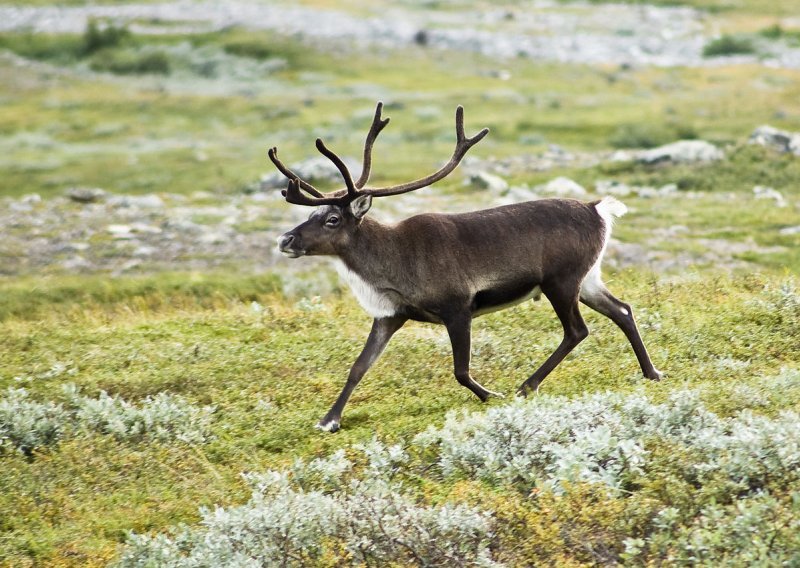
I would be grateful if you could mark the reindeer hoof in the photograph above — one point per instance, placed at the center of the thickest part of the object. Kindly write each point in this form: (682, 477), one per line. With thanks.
(522, 392)
(658, 375)
(328, 426)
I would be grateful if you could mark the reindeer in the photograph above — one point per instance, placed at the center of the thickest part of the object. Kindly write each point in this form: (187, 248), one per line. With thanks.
(449, 269)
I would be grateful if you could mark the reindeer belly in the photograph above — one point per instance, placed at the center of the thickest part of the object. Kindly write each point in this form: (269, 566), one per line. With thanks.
(503, 296)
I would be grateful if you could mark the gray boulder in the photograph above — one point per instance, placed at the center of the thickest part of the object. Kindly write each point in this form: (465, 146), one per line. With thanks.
(147, 201)
(780, 140)
(764, 192)
(86, 194)
(561, 187)
(682, 152)
(487, 181)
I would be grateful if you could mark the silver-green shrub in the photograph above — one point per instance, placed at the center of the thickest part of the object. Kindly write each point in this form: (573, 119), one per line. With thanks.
(318, 510)
(162, 417)
(757, 531)
(26, 424)
(605, 438)
(336, 511)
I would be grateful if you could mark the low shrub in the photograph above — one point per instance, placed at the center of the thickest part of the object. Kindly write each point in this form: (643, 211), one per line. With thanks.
(729, 45)
(602, 479)
(131, 63)
(27, 425)
(607, 439)
(649, 136)
(99, 36)
(321, 513)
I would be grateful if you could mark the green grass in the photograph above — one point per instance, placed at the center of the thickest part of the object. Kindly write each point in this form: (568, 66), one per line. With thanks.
(273, 372)
(332, 96)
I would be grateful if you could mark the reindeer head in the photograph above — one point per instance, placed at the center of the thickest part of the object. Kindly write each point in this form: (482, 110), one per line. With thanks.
(340, 212)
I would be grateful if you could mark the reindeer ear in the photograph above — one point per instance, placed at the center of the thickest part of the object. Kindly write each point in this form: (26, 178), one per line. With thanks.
(360, 205)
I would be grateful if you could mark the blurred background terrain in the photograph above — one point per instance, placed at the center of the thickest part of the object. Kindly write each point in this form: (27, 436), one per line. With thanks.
(138, 216)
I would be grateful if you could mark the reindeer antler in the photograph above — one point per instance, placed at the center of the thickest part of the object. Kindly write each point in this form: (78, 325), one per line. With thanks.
(356, 189)
(375, 129)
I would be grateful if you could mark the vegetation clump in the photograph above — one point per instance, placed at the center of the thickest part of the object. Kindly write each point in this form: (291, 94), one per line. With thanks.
(741, 473)
(27, 425)
(323, 513)
(727, 44)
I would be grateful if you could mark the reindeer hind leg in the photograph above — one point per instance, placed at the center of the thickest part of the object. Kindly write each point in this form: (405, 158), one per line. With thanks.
(595, 295)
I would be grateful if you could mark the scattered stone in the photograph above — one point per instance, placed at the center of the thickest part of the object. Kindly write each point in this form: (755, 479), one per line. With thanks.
(764, 192)
(487, 181)
(681, 152)
(86, 194)
(612, 187)
(520, 193)
(76, 264)
(787, 231)
(651, 192)
(214, 238)
(144, 251)
(121, 232)
(149, 201)
(622, 156)
(127, 266)
(780, 140)
(561, 187)
(145, 229)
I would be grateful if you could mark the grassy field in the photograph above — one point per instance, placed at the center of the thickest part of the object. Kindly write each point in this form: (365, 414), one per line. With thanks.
(137, 402)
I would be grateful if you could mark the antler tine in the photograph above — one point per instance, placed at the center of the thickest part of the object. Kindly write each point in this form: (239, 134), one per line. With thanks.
(293, 195)
(378, 124)
(463, 144)
(337, 161)
(273, 155)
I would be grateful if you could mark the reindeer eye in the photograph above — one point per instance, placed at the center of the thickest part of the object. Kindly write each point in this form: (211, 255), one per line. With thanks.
(332, 221)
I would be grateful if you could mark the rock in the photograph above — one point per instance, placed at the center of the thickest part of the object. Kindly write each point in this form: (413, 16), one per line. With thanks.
(668, 189)
(149, 201)
(622, 156)
(86, 194)
(487, 181)
(213, 238)
(120, 231)
(144, 251)
(682, 152)
(561, 186)
(780, 140)
(650, 192)
(763, 192)
(145, 228)
(612, 187)
(788, 231)
(313, 170)
(76, 263)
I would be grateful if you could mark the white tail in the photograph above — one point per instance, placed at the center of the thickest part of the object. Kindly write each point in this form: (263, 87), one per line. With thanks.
(610, 208)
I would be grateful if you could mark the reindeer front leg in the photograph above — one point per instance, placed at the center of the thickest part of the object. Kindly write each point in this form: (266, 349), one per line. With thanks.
(459, 328)
(382, 331)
